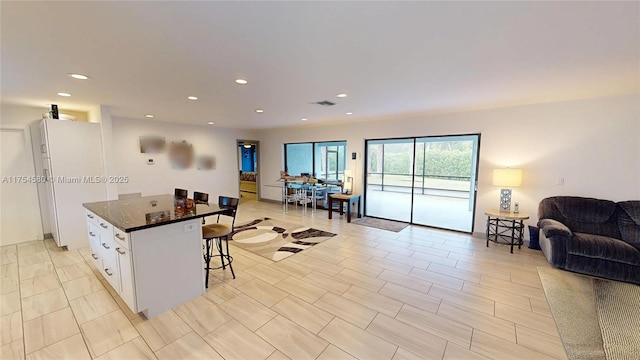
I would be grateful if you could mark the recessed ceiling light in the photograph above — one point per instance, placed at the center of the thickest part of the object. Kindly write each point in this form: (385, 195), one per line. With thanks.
(259, 111)
(349, 113)
(341, 95)
(304, 119)
(64, 94)
(149, 116)
(210, 123)
(192, 97)
(78, 76)
(241, 81)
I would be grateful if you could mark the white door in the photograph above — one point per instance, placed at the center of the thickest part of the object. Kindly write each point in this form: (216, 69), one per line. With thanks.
(19, 209)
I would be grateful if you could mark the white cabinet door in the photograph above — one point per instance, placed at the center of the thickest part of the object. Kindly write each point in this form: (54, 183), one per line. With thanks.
(94, 245)
(127, 281)
(110, 269)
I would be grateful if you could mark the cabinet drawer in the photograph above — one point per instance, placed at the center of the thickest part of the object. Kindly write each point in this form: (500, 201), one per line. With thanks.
(91, 217)
(94, 246)
(121, 238)
(109, 268)
(104, 226)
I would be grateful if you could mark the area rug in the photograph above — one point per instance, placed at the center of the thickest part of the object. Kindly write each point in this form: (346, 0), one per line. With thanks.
(596, 319)
(395, 226)
(276, 240)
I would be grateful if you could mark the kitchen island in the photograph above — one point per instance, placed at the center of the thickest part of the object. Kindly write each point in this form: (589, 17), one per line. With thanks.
(149, 249)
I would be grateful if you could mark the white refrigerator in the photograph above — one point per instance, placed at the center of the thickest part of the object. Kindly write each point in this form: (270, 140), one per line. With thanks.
(73, 168)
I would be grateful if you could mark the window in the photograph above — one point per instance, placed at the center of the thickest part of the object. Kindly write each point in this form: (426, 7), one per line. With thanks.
(323, 160)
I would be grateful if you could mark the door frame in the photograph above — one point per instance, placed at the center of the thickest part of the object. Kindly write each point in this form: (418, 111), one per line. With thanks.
(475, 162)
(240, 142)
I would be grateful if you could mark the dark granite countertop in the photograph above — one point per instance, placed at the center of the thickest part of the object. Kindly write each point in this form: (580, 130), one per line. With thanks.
(149, 211)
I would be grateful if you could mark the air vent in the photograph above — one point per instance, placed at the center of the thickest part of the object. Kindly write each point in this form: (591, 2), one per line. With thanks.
(324, 103)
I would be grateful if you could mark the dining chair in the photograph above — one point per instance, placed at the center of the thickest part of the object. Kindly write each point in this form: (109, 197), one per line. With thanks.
(181, 193)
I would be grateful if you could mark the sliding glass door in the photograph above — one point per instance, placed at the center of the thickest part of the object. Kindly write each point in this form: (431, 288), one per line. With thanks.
(427, 181)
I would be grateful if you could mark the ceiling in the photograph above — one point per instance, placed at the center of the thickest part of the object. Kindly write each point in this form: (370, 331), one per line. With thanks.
(390, 58)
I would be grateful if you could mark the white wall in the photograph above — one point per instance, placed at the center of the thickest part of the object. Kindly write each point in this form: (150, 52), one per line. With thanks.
(594, 144)
(160, 178)
(21, 117)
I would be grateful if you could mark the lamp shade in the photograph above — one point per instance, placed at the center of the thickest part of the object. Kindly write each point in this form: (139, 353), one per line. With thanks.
(507, 177)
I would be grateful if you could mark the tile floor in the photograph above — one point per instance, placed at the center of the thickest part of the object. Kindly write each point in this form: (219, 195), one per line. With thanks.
(364, 294)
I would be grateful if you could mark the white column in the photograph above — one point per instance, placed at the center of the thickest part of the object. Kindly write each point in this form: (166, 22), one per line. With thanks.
(102, 114)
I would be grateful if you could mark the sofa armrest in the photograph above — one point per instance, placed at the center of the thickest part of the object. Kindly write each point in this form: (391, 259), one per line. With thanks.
(552, 227)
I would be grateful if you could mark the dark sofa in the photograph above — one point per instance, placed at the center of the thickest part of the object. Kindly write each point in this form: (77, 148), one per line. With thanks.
(592, 236)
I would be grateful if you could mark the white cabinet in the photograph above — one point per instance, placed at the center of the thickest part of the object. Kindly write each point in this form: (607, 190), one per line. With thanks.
(111, 254)
(72, 161)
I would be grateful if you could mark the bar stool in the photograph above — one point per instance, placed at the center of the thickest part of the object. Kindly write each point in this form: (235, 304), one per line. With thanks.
(220, 232)
(181, 193)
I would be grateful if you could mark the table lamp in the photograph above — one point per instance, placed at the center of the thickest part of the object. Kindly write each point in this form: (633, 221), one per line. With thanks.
(348, 181)
(507, 178)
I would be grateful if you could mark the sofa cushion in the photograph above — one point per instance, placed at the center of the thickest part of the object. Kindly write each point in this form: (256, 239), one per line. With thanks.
(629, 222)
(595, 246)
(583, 215)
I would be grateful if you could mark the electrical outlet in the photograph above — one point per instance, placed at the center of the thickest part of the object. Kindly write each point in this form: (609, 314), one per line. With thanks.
(150, 162)
(189, 227)
(560, 181)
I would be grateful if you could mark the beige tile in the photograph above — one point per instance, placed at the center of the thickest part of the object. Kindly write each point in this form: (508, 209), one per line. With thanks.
(12, 350)
(30, 247)
(411, 297)
(9, 303)
(477, 320)
(161, 330)
(10, 328)
(396, 249)
(135, 349)
(82, 286)
(291, 339)
(512, 287)
(43, 304)
(408, 260)
(108, 332)
(406, 281)
(455, 272)
(74, 271)
(33, 258)
(461, 298)
(190, 346)
(62, 259)
(333, 353)
(70, 348)
(263, 292)
(324, 267)
(92, 306)
(402, 354)
(8, 254)
(435, 258)
(504, 297)
(436, 278)
(9, 271)
(326, 282)
(38, 285)
(419, 342)
(292, 269)
(277, 355)
(234, 341)
(540, 341)
(390, 265)
(302, 289)
(361, 267)
(202, 315)
(9, 284)
(369, 248)
(374, 301)
(267, 273)
(48, 329)
(364, 281)
(247, 311)
(496, 348)
(346, 309)
(527, 318)
(447, 329)
(37, 269)
(357, 342)
(455, 352)
(333, 257)
(125, 308)
(306, 315)
(540, 306)
(219, 293)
